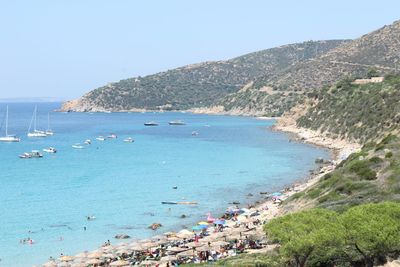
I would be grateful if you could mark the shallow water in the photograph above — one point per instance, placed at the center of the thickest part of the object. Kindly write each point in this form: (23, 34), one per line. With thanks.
(123, 184)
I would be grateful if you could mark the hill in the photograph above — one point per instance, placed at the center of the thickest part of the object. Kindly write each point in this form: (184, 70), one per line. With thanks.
(198, 85)
(271, 95)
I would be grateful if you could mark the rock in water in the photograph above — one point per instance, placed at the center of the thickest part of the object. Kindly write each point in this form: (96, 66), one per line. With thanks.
(155, 226)
(122, 236)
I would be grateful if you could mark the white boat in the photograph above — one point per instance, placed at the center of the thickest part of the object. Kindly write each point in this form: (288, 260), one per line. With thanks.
(50, 150)
(151, 123)
(112, 136)
(194, 133)
(49, 131)
(178, 122)
(100, 138)
(8, 137)
(77, 146)
(35, 132)
(88, 142)
(129, 140)
(33, 154)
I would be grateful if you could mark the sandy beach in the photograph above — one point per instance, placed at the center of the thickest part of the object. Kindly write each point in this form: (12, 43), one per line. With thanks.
(239, 230)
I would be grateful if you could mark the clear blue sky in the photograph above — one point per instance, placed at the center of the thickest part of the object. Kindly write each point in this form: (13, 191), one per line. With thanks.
(58, 48)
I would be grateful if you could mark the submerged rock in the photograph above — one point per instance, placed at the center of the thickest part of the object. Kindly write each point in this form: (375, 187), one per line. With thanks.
(155, 226)
(122, 236)
(319, 160)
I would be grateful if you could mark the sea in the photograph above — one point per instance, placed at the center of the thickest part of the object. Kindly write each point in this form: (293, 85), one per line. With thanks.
(123, 184)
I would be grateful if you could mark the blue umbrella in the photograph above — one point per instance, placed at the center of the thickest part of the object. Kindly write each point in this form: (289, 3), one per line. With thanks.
(219, 222)
(197, 228)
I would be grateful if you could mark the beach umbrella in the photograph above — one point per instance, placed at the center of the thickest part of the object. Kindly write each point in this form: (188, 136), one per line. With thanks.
(194, 244)
(93, 262)
(185, 234)
(81, 255)
(136, 247)
(168, 258)
(170, 234)
(219, 222)
(197, 228)
(119, 263)
(186, 253)
(50, 264)
(174, 238)
(95, 254)
(149, 263)
(66, 258)
(176, 249)
(219, 243)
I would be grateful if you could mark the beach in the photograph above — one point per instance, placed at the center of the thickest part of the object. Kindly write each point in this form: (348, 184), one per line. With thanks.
(238, 230)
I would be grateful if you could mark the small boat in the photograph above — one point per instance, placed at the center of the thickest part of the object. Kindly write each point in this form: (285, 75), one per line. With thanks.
(33, 154)
(178, 122)
(151, 123)
(112, 136)
(194, 133)
(88, 142)
(129, 140)
(179, 203)
(8, 137)
(100, 138)
(50, 150)
(35, 132)
(77, 146)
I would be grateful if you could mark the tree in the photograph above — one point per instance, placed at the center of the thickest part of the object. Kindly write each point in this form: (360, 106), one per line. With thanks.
(372, 232)
(314, 235)
(372, 72)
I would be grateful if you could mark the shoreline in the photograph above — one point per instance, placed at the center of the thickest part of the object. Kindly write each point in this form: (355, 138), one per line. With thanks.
(266, 209)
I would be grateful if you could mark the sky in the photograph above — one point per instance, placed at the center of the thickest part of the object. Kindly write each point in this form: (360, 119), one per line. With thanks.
(63, 49)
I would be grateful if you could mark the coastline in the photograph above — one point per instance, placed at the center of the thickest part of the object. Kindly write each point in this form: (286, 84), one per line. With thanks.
(267, 209)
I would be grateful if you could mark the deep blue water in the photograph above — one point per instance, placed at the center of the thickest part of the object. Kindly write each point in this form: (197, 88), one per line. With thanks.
(122, 184)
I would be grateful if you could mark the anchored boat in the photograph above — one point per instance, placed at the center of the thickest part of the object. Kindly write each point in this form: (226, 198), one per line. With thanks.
(35, 132)
(8, 137)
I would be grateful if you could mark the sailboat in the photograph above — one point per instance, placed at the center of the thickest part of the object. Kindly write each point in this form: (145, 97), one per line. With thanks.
(49, 131)
(35, 132)
(8, 137)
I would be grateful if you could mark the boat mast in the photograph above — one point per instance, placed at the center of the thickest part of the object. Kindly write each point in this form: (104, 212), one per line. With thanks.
(34, 122)
(7, 121)
(48, 121)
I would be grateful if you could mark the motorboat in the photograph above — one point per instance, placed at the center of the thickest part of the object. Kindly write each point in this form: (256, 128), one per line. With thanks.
(129, 140)
(112, 136)
(8, 137)
(35, 132)
(50, 150)
(151, 123)
(100, 138)
(88, 142)
(77, 146)
(25, 155)
(177, 122)
(33, 154)
(194, 133)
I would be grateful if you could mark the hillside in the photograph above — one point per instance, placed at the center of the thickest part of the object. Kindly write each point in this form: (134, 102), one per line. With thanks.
(355, 112)
(371, 175)
(273, 94)
(198, 85)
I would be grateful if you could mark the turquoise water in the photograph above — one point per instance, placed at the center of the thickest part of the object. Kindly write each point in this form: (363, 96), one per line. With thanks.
(122, 184)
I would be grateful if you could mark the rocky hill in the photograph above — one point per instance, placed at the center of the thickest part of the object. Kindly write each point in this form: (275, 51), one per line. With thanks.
(198, 85)
(276, 93)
